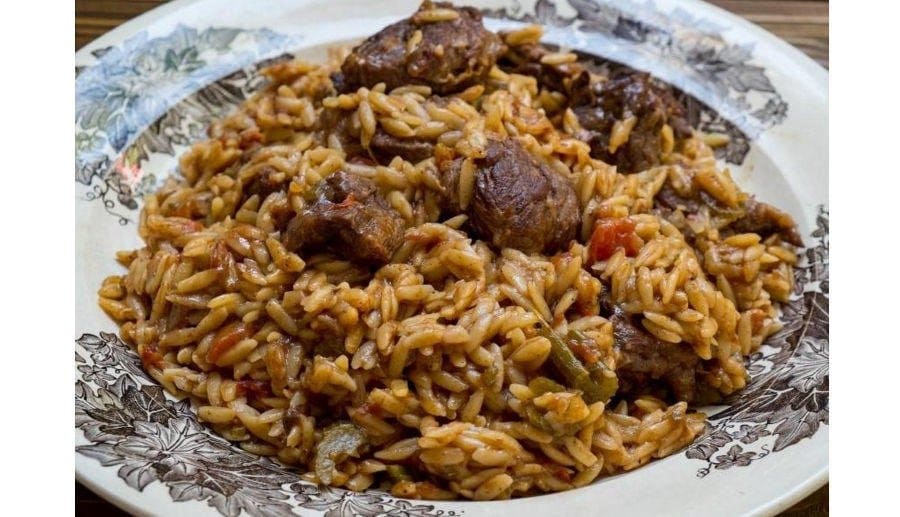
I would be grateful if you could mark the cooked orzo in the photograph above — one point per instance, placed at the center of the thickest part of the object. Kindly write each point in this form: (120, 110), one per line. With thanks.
(454, 264)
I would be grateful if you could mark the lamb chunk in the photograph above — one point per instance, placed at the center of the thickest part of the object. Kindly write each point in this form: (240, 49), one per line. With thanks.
(382, 148)
(267, 181)
(334, 122)
(751, 216)
(516, 202)
(349, 219)
(452, 54)
(341, 185)
(680, 209)
(766, 220)
(631, 94)
(645, 360)
(669, 199)
(385, 147)
(526, 60)
(599, 106)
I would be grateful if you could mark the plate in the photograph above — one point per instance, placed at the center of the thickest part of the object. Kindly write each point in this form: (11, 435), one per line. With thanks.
(148, 89)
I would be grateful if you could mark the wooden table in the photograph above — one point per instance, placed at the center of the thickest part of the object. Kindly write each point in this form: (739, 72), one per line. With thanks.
(803, 23)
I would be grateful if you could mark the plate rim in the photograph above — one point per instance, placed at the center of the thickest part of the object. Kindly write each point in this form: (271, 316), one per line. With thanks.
(817, 75)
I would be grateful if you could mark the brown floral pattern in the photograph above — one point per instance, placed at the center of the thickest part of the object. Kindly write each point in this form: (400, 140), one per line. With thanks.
(787, 398)
(131, 426)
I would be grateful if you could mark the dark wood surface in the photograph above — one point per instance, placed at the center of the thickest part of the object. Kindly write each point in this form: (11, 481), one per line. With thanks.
(802, 23)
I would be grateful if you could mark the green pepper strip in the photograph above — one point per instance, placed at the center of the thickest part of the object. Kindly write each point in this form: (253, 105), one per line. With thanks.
(602, 374)
(575, 373)
(541, 385)
(398, 473)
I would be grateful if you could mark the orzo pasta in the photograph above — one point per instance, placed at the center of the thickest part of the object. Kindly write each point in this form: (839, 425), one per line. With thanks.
(455, 264)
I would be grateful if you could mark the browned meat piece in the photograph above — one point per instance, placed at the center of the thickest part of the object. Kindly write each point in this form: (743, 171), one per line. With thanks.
(526, 60)
(647, 362)
(751, 217)
(671, 200)
(382, 148)
(516, 202)
(580, 90)
(336, 122)
(450, 56)
(571, 79)
(766, 220)
(268, 180)
(349, 219)
(631, 94)
(385, 147)
(342, 185)
(698, 204)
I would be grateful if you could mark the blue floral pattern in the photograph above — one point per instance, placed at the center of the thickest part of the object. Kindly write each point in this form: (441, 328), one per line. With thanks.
(135, 83)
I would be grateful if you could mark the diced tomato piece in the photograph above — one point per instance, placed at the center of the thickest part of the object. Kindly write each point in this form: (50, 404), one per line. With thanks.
(348, 201)
(252, 388)
(372, 409)
(219, 256)
(249, 137)
(191, 226)
(150, 356)
(611, 234)
(585, 351)
(226, 338)
(559, 472)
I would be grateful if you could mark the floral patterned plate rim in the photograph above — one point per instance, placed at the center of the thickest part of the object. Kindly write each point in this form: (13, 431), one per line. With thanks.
(147, 89)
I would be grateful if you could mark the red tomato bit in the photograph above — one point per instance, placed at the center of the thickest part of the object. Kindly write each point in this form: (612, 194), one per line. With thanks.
(610, 234)
(151, 357)
(226, 338)
(252, 388)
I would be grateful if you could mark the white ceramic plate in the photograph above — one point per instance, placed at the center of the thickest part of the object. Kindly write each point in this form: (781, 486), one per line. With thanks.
(147, 89)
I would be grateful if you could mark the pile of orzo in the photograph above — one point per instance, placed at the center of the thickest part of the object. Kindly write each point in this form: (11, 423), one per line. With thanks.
(478, 271)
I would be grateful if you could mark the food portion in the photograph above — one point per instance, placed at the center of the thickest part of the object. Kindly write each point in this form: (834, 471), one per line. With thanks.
(454, 264)
(630, 120)
(440, 46)
(349, 219)
(511, 199)
(650, 364)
